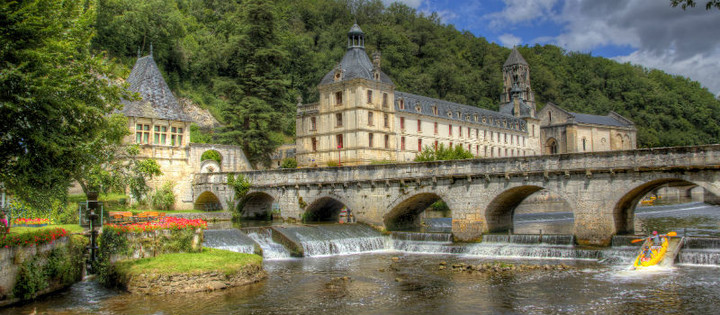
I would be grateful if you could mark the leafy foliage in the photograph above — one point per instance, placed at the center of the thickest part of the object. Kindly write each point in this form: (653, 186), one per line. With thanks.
(211, 155)
(443, 154)
(164, 197)
(289, 163)
(140, 172)
(56, 97)
(240, 185)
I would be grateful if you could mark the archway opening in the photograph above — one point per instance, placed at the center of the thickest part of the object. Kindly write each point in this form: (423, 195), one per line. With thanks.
(551, 146)
(325, 209)
(500, 211)
(543, 212)
(425, 212)
(207, 201)
(669, 204)
(257, 206)
(211, 155)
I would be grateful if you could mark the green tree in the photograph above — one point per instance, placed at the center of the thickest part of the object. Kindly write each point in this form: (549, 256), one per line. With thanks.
(139, 172)
(258, 94)
(443, 154)
(56, 99)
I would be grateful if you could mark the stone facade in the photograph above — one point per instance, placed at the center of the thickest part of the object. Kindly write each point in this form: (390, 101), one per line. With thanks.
(360, 118)
(602, 188)
(567, 132)
(161, 130)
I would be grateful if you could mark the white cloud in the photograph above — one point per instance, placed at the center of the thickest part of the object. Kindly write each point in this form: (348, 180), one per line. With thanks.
(509, 40)
(518, 11)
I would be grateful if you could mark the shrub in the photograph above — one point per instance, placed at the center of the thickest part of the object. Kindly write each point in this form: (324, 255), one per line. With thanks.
(211, 155)
(41, 236)
(289, 163)
(164, 197)
(332, 163)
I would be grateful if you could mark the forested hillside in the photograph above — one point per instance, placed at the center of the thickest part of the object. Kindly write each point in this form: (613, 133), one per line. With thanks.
(248, 61)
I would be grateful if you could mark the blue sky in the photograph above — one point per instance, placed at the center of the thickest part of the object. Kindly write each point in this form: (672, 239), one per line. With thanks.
(645, 32)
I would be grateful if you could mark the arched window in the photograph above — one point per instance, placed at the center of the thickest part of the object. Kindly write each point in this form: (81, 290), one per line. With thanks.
(551, 146)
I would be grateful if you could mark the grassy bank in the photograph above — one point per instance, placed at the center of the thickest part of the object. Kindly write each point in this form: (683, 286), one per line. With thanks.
(71, 228)
(208, 260)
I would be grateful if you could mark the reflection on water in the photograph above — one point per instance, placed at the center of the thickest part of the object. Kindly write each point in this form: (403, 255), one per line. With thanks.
(415, 285)
(691, 219)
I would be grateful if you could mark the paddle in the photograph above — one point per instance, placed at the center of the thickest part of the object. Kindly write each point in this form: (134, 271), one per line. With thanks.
(670, 234)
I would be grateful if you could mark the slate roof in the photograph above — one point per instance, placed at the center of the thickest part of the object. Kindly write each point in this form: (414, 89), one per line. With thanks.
(355, 64)
(515, 58)
(157, 100)
(598, 120)
(468, 113)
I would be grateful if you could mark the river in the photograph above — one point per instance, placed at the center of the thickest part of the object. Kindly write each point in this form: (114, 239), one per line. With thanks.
(413, 283)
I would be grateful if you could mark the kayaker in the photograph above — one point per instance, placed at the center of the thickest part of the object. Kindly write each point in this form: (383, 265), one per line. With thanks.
(657, 242)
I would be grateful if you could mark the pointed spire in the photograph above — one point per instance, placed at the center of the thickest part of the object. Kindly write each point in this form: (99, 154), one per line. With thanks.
(515, 58)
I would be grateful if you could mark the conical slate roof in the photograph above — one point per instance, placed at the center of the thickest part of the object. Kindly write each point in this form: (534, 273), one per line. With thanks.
(515, 58)
(157, 100)
(355, 63)
(355, 29)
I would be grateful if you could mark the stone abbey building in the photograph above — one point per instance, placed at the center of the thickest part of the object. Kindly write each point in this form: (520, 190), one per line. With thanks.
(361, 118)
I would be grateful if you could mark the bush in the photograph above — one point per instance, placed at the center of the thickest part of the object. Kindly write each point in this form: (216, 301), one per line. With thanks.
(332, 163)
(211, 155)
(164, 197)
(289, 163)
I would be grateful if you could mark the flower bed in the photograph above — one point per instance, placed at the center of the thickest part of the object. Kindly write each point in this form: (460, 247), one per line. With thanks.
(44, 236)
(167, 223)
(31, 222)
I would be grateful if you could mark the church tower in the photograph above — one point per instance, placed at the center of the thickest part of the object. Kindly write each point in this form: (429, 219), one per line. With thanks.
(516, 76)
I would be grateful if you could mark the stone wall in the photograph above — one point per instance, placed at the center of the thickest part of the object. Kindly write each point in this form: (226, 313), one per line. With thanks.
(13, 258)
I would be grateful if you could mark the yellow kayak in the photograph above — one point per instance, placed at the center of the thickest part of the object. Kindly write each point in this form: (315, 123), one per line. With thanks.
(656, 257)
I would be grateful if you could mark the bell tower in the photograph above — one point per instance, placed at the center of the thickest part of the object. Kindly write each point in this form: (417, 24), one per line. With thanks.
(516, 78)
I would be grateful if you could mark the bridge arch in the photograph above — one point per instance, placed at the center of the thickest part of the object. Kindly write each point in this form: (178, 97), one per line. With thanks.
(257, 205)
(624, 211)
(207, 201)
(501, 210)
(324, 209)
(406, 213)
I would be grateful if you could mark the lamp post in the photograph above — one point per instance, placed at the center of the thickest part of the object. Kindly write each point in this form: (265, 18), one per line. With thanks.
(339, 161)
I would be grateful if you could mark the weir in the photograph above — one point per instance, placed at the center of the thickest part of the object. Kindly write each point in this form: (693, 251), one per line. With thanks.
(264, 238)
(331, 239)
(700, 251)
(230, 239)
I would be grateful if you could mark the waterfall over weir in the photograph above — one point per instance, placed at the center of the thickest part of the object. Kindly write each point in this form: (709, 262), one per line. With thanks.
(700, 251)
(335, 239)
(230, 239)
(263, 237)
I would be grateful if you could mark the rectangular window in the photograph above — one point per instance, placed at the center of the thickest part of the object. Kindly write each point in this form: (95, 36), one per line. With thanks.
(468, 132)
(511, 139)
(402, 123)
(505, 136)
(450, 130)
(402, 143)
(387, 141)
(156, 135)
(419, 125)
(180, 136)
(338, 98)
(314, 144)
(386, 122)
(436, 128)
(313, 123)
(338, 120)
(176, 136)
(460, 131)
(369, 96)
(385, 100)
(477, 150)
(419, 144)
(469, 148)
(484, 134)
(370, 139)
(339, 139)
(143, 134)
(477, 133)
(163, 135)
(138, 134)
(370, 119)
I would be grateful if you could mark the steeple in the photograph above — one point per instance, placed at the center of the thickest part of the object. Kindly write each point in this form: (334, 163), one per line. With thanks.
(516, 80)
(356, 37)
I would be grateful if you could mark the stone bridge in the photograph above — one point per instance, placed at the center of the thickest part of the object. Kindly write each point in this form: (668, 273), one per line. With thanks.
(602, 188)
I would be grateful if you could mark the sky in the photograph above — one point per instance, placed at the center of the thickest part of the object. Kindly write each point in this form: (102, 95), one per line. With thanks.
(650, 33)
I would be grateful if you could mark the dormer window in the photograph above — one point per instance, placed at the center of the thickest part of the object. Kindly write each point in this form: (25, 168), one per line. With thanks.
(449, 114)
(401, 103)
(377, 76)
(417, 108)
(475, 117)
(435, 110)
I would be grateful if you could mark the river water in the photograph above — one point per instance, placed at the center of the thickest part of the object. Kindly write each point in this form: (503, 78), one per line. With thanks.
(598, 282)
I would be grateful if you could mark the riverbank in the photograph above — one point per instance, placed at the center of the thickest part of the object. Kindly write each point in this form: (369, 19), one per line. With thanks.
(209, 270)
